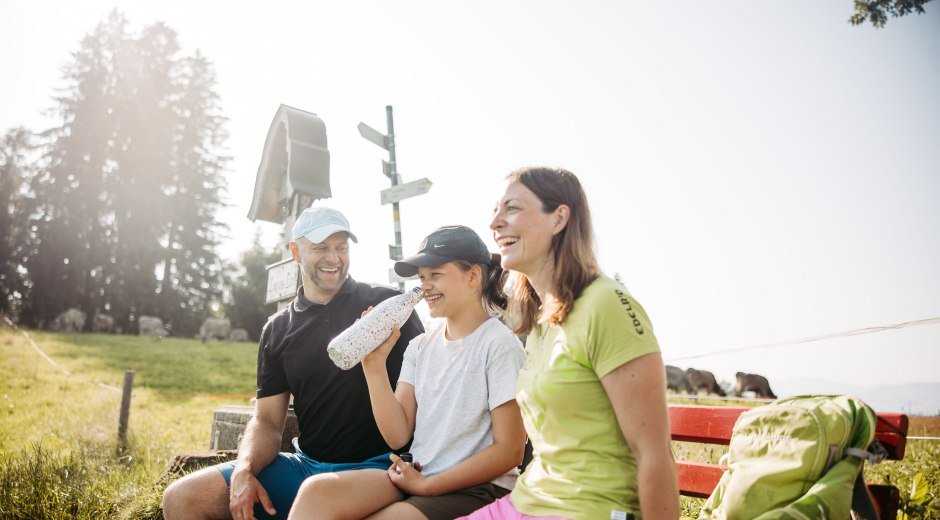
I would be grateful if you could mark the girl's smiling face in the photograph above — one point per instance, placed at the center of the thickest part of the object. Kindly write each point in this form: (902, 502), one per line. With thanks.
(449, 290)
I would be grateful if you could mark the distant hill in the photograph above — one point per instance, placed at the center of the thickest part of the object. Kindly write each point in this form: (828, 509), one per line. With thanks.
(910, 398)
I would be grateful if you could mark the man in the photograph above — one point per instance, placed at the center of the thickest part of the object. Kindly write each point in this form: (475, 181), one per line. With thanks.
(334, 414)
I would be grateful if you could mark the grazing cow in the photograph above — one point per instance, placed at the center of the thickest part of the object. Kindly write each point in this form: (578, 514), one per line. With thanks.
(151, 326)
(238, 336)
(102, 323)
(217, 328)
(704, 380)
(752, 383)
(677, 381)
(71, 320)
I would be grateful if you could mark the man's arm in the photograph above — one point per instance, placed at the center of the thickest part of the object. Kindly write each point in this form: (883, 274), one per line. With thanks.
(259, 446)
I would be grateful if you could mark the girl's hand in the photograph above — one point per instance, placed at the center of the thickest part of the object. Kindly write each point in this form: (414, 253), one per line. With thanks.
(380, 354)
(408, 479)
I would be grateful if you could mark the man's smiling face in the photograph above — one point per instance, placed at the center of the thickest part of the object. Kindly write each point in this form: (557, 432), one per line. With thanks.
(326, 264)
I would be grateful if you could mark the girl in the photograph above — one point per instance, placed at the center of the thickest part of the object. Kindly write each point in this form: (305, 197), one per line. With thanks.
(455, 396)
(592, 392)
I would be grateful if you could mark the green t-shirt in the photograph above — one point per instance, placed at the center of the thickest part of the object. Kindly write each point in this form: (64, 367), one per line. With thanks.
(582, 467)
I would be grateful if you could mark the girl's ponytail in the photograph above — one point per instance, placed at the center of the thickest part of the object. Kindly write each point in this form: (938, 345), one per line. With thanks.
(494, 295)
(494, 279)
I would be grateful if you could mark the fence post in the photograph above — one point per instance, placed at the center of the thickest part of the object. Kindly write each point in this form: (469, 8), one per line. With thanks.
(125, 410)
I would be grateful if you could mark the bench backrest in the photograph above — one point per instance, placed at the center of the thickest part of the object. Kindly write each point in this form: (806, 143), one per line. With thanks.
(713, 425)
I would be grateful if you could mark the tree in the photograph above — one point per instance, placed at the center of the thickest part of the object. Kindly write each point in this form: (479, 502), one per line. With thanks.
(248, 280)
(125, 214)
(877, 11)
(16, 171)
(70, 225)
(191, 268)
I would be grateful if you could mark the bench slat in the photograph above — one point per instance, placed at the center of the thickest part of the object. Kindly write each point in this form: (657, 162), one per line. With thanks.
(706, 424)
(891, 431)
(698, 479)
(886, 499)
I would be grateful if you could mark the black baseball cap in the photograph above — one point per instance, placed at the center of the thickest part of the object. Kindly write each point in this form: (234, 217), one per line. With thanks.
(443, 245)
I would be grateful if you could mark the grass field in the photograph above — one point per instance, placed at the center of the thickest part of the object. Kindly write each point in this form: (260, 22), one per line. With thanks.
(58, 432)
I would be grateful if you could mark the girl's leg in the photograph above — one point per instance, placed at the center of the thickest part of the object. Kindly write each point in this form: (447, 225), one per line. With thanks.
(398, 511)
(350, 494)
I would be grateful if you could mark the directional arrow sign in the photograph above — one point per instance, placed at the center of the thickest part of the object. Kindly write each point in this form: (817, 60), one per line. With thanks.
(373, 135)
(404, 191)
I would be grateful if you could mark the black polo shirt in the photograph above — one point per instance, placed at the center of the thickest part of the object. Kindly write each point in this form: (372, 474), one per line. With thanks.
(332, 405)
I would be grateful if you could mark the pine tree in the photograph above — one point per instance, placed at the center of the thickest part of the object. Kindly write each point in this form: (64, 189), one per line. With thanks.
(127, 196)
(16, 170)
(191, 279)
(143, 168)
(73, 224)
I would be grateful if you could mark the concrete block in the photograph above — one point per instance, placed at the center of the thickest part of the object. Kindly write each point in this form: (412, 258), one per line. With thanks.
(229, 422)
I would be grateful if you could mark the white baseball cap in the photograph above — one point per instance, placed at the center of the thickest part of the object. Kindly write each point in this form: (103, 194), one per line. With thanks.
(317, 224)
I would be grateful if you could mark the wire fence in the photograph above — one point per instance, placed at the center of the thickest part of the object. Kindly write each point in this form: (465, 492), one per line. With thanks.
(810, 339)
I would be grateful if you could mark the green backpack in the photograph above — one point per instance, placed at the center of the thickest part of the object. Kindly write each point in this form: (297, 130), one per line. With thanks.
(797, 458)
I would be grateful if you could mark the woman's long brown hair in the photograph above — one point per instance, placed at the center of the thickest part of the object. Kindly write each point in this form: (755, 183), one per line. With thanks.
(572, 249)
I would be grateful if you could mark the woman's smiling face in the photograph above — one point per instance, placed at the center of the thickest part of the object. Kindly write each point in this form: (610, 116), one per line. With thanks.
(522, 229)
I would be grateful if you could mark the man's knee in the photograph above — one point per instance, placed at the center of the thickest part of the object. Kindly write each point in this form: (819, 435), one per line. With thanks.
(202, 494)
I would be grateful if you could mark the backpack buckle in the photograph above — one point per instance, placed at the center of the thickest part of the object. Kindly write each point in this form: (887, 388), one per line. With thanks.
(877, 452)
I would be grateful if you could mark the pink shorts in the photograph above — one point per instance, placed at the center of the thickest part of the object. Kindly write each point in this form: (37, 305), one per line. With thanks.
(503, 509)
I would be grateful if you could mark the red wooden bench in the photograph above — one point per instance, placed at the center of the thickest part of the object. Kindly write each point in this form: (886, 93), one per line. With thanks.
(713, 424)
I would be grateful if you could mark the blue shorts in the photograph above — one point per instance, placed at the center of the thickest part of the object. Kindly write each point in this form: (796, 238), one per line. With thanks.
(284, 475)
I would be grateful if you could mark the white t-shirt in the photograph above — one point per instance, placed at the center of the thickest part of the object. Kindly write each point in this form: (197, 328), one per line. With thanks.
(457, 384)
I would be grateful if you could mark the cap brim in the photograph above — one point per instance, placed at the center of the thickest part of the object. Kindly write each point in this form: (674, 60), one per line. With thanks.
(323, 232)
(409, 266)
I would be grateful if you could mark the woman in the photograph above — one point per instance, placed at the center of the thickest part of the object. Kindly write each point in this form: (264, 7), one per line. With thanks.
(455, 395)
(592, 390)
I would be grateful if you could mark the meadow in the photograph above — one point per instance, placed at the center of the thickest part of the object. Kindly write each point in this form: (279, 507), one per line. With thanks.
(59, 456)
(58, 433)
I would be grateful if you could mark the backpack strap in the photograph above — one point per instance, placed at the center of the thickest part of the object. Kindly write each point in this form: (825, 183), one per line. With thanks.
(863, 507)
(875, 453)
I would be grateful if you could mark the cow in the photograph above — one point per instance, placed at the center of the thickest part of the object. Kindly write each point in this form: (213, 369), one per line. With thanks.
(238, 336)
(752, 383)
(677, 381)
(70, 320)
(217, 328)
(151, 326)
(704, 380)
(102, 323)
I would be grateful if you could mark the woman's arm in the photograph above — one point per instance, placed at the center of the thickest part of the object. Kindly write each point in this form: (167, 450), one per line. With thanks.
(637, 391)
(488, 464)
(394, 412)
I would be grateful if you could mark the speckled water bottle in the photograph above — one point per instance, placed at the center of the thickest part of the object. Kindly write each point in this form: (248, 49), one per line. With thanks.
(364, 336)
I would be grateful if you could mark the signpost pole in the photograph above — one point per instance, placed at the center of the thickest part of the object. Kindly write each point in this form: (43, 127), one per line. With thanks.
(398, 191)
(393, 173)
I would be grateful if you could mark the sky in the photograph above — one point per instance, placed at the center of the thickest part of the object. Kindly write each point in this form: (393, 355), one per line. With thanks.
(755, 174)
